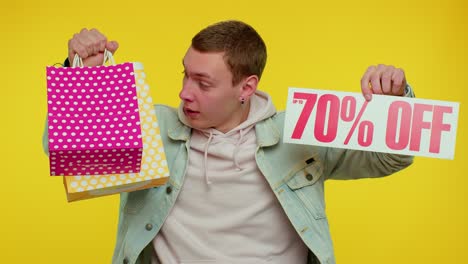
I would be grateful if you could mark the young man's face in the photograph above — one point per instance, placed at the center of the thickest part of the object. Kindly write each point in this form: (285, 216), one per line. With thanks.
(208, 96)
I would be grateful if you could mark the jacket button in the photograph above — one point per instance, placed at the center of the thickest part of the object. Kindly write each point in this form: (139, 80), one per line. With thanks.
(149, 227)
(168, 189)
(125, 261)
(309, 177)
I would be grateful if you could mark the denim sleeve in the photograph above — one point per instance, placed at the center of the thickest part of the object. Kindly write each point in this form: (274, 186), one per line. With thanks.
(345, 164)
(45, 139)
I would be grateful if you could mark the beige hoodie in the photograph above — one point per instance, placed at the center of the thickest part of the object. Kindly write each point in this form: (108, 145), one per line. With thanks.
(226, 212)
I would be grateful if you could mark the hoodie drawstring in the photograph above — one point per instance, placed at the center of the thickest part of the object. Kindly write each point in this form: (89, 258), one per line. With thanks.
(235, 153)
(207, 145)
(236, 150)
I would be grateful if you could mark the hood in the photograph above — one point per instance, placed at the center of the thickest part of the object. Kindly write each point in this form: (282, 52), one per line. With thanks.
(261, 108)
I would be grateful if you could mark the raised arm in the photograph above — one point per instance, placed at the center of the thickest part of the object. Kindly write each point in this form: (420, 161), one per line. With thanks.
(90, 46)
(353, 164)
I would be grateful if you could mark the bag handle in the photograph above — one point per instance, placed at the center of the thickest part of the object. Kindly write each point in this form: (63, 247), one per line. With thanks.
(108, 57)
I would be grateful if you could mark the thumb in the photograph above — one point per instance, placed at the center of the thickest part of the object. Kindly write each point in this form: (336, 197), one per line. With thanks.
(112, 46)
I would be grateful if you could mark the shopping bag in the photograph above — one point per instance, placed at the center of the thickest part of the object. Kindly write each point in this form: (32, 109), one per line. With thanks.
(154, 170)
(93, 121)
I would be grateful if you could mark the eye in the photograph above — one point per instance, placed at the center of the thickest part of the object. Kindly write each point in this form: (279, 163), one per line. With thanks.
(203, 85)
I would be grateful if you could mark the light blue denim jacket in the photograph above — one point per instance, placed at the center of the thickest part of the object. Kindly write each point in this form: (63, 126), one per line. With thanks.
(296, 174)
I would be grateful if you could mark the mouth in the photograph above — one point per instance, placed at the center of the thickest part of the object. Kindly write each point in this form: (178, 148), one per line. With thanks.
(189, 112)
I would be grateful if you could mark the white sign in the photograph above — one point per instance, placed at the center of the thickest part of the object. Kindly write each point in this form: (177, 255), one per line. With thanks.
(391, 124)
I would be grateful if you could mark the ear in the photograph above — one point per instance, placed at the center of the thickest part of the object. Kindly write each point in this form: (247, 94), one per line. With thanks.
(249, 86)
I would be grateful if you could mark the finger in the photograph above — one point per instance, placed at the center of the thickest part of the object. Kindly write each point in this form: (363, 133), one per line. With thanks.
(88, 42)
(365, 87)
(386, 79)
(112, 46)
(83, 48)
(85, 40)
(375, 82)
(76, 47)
(398, 82)
(82, 44)
(99, 40)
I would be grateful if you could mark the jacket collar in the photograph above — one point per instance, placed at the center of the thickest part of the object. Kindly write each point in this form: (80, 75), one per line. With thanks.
(267, 133)
(179, 131)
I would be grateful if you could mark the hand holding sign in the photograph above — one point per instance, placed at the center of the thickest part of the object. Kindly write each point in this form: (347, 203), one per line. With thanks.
(386, 124)
(383, 79)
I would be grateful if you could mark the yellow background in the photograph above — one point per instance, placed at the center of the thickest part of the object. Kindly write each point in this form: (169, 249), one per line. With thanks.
(416, 216)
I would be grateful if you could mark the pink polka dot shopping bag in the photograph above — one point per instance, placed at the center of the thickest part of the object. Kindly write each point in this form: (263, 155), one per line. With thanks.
(103, 133)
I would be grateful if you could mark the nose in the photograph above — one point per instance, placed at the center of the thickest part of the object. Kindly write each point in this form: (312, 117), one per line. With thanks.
(186, 94)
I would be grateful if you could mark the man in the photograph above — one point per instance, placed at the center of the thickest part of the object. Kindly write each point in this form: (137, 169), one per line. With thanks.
(237, 193)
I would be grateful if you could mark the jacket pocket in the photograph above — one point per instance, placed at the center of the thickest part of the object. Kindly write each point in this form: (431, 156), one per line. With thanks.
(307, 185)
(307, 175)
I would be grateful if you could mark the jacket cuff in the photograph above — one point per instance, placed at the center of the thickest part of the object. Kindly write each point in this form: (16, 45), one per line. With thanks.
(66, 63)
(409, 91)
